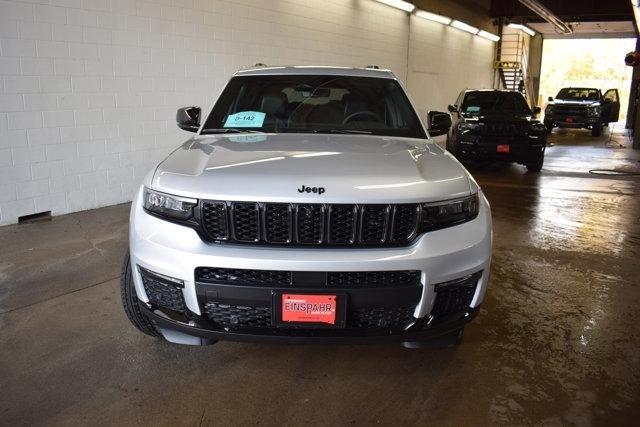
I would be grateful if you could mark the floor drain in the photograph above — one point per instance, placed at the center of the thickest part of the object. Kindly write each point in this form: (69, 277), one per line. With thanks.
(40, 216)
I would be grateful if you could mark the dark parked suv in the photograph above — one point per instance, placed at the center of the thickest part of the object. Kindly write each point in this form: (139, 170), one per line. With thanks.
(495, 125)
(582, 108)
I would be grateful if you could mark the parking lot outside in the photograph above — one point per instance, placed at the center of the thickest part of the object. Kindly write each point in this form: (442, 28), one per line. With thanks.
(555, 342)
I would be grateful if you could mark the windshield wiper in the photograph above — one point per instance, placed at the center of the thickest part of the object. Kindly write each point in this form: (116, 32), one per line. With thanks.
(227, 130)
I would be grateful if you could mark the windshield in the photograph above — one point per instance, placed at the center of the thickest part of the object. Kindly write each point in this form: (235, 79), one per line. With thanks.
(579, 94)
(481, 102)
(313, 103)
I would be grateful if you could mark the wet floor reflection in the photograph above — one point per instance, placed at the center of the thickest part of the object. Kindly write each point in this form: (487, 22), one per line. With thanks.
(561, 310)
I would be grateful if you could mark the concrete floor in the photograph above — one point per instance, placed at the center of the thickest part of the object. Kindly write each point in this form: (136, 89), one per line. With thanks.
(557, 341)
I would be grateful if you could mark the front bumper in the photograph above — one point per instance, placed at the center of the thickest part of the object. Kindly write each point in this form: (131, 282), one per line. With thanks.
(182, 332)
(440, 256)
(521, 149)
(572, 121)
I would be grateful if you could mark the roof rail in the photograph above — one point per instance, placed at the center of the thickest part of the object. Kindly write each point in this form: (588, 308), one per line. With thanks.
(372, 67)
(260, 64)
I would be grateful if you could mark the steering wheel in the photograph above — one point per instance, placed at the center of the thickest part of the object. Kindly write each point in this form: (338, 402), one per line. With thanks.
(361, 113)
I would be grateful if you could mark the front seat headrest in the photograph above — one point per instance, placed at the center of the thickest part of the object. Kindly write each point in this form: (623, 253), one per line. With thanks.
(273, 104)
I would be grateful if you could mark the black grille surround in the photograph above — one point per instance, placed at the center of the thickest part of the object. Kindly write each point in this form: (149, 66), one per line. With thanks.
(293, 224)
(236, 317)
(377, 302)
(505, 129)
(238, 276)
(332, 279)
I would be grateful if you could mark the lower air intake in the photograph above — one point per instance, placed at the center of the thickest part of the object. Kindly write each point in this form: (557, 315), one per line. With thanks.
(455, 296)
(163, 293)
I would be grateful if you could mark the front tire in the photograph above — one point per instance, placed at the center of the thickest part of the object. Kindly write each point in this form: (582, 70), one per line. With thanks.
(596, 130)
(130, 301)
(536, 166)
(549, 127)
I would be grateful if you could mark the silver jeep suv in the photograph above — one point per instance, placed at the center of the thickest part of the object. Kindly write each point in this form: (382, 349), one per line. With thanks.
(309, 205)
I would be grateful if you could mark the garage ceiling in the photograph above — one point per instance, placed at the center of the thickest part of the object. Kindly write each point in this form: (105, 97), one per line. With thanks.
(567, 10)
(603, 29)
(588, 18)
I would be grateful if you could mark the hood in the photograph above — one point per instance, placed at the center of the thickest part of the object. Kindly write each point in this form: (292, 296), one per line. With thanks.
(275, 167)
(573, 102)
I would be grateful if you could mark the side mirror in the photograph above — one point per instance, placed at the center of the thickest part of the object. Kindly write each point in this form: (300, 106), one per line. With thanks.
(439, 123)
(188, 118)
(536, 111)
(452, 108)
(550, 99)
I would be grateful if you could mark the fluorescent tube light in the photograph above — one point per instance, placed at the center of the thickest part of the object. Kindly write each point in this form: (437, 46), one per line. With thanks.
(434, 17)
(399, 4)
(488, 35)
(464, 27)
(523, 28)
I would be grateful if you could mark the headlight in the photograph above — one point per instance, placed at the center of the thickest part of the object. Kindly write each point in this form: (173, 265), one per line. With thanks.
(594, 111)
(538, 128)
(464, 127)
(549, 109)
(174, 207)
(451, 212)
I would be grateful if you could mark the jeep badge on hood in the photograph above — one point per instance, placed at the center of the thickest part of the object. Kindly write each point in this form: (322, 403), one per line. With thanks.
(306, 189)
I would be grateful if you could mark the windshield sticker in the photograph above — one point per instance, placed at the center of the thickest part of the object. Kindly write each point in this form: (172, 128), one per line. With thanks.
(245, 119)
(473, 109)
(248, 139)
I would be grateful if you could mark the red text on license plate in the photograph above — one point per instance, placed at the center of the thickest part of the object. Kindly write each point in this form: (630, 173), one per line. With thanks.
(502, 148)
(569, 119)
(309, 308)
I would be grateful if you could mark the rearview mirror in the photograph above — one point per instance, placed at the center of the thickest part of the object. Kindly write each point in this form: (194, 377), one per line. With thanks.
(439, 123)
(452, 108)
(188, 118)
(551, 99)
(536, 111)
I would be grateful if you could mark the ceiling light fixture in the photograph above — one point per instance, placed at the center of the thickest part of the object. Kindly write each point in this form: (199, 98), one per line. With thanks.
(522, 28)
(464, 27)
(399, 4)
(434, 17)
(489, 36)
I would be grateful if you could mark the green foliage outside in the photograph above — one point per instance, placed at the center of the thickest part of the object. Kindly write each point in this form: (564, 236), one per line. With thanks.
(597, 63)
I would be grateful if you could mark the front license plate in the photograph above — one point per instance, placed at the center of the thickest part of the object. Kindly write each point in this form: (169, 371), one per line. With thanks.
(322, 310)
(503, 148)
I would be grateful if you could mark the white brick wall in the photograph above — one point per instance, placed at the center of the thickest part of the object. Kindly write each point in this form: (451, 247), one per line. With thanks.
(443, 61)
(89, 88)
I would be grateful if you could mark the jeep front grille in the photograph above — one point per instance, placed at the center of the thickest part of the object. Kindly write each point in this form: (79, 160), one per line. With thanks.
(570, 110)
(309, 224)
(504, 129)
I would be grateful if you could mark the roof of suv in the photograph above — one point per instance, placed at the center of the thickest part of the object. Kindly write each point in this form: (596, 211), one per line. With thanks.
(310, 70)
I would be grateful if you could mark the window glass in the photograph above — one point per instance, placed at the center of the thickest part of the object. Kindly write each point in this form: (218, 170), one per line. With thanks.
(489, 101)
(315, 103)
(579, 94)
(611, 95)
